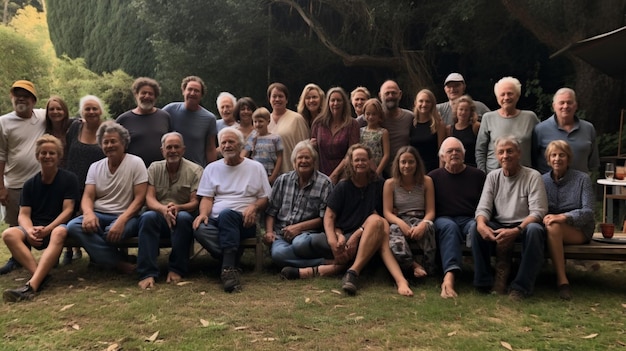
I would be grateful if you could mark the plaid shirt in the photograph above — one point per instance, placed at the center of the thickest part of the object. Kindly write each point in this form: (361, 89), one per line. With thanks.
(290, 204)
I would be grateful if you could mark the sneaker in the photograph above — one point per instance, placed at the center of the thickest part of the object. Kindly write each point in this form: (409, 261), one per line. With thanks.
(20, 294)
(348, 283)
(516, 295)
(77, 255)
(230, 279)
(11, 265)
(67, 258)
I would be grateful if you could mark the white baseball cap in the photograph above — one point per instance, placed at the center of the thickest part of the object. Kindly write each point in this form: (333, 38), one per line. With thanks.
(454, 77)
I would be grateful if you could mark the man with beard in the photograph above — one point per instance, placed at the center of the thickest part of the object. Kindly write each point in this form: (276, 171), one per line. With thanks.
(19, 131)
(194, 122)
(146, 123)
(172, 203)
(233, 191)
(397, 121)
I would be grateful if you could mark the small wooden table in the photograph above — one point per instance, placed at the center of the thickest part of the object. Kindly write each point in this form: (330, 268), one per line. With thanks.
(610, 193)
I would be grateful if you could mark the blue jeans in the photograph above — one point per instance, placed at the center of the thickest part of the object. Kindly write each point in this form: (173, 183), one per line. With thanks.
(300, 252)
(223, 233)
(451, 234)
(101, 252)
(152, 227)
(533, 240)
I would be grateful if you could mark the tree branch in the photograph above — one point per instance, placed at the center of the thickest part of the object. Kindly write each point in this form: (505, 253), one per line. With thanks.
(394, 63)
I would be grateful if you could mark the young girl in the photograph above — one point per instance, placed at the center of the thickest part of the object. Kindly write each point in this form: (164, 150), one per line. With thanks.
(409, 207)
(465, 127)
(374, 136)
(263, 146)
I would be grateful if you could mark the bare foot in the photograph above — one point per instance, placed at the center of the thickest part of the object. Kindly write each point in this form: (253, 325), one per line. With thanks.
(173, 278)
(331, 269)
(404, 289)
(418, 270)
(447, 287)
(309, 272)
(147, 283)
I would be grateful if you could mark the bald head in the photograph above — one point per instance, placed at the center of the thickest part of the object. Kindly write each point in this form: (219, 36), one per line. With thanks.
(390, 94)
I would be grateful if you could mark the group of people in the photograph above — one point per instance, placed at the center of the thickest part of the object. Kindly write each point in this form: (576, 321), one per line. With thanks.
(315, 178)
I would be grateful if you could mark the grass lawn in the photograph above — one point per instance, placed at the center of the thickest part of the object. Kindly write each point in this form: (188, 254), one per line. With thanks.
(86, 309)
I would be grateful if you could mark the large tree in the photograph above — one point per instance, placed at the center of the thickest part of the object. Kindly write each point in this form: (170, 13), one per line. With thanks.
(107, 33)
(20, 59)
(563, 22)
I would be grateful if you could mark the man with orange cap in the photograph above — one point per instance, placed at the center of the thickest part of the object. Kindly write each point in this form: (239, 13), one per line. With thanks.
(19, 131)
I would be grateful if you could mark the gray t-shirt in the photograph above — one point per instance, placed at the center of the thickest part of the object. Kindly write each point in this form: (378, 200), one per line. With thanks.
(509, 200)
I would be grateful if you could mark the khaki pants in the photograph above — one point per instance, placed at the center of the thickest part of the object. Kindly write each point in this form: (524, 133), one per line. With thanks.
(12, 207)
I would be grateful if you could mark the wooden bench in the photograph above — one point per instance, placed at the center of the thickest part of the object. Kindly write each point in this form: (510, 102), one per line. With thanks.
(251, 243)
(595, 250)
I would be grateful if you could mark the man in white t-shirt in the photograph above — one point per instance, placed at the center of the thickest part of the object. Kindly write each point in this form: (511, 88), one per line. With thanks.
(19, 131)
(232, 190)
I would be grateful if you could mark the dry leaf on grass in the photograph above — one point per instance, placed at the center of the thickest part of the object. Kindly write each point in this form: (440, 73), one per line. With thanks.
(590, 336)
(19, 279)
(506, 345)
(122, 295)
(114, 347)
(269, 339)
(204, 323)
(307, 300)
(183, 283)
(80, 279)
(452, 333)
(113, 291)
(241, 328)
(336, 292)
(153, 337)
(66, 307)
(75, 326)
(624, 305)
(620, 343)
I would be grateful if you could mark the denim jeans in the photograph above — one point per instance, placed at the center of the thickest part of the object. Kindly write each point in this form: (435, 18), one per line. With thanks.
(451, 233)
(223, 233)
(152, 227)
(101, 252)
(533, 240)
(301, 252)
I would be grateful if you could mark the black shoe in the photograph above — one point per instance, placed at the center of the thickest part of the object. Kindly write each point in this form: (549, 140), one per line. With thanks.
(9, 266)
(230, 279)
(67, 258)
(348, 283)
(20, 294)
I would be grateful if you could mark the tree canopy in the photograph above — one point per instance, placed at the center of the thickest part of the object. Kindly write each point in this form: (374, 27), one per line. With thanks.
(106, 33)
(242, 46)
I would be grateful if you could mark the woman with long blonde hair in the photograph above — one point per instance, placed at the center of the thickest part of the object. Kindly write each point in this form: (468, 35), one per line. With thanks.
(428, 130)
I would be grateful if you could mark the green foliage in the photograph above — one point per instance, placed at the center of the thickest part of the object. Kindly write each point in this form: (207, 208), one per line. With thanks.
(106, 33)
(73, 80)
(20, 59)
(229, 52)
